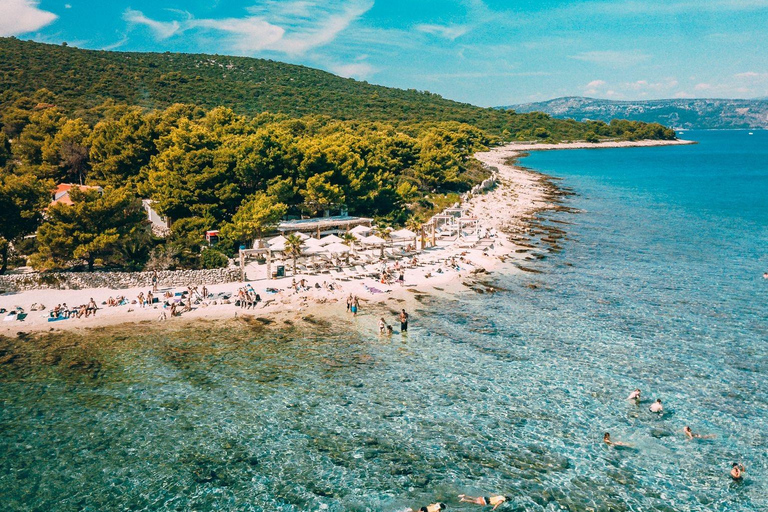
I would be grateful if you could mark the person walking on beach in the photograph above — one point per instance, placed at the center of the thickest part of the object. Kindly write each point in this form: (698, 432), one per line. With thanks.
(355, 306)
(382, 326)
(737, 471)
(403, 321)
(349, 303)
(484, 500)
(656, 407)
(154, 281)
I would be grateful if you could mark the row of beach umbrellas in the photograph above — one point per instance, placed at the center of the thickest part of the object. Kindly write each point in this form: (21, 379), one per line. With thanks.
(334, 245)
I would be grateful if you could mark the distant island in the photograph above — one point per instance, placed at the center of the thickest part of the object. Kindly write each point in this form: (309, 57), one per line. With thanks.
(676, 113)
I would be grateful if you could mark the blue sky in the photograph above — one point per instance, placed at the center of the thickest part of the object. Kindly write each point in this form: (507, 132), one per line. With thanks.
(483, 52)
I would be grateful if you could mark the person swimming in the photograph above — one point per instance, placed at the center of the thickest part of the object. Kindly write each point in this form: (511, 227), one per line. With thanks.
(484, 500)
(607, 440)
(635, 395)
(737, 471)
(434, 507)
(656, 407)
(691, 435)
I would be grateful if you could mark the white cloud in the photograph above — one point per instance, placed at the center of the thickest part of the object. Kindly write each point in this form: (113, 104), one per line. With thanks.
(595, 84)
(683, 94)
(293, 27)
(702, 87)
(359, 70)
(612, 58)
(161, 29)
(447, 31)
(246, 35)
(22, 16)
(751, 75)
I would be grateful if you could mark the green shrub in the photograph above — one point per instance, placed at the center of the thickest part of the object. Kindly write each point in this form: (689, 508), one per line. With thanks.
(211, 258)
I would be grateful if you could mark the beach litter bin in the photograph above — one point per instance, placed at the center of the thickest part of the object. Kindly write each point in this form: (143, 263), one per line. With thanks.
(280, 271)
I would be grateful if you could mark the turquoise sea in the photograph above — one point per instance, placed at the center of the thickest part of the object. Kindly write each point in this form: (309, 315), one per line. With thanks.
(658, 285)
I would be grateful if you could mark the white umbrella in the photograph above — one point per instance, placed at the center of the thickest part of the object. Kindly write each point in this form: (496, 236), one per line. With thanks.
(403, 233)
(360, 230)
(373, 240)
(312, 249)
(336, 248)
(302, 235)
(313, 242)
(277, 240)
(331, 239)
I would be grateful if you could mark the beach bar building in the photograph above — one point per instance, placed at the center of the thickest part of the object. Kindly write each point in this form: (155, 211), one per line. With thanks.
(305, 228)
(319, 226)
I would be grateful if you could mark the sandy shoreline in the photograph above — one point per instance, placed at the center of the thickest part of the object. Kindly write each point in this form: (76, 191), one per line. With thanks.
(508, 208)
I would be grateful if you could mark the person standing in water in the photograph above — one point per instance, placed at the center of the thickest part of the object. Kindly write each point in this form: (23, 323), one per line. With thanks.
(656, 407)
(403, 321)
(484, 500)
(635, 395)
(737, 471)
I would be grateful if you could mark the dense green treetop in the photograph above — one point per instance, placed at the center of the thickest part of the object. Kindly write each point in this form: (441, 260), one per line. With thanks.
(82, 80)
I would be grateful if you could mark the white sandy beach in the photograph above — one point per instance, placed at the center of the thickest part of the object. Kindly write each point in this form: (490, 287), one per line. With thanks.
(519, 194)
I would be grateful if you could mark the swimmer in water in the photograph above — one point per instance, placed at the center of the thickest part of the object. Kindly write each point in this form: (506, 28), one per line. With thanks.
(635, 395)
(737, 471)
(484, 500)
(607, 440)
(656, 407)
(435, 507)
(691, 435)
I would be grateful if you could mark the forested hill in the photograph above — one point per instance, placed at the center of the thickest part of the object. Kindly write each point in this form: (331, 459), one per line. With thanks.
(83, 79)
(675, 113)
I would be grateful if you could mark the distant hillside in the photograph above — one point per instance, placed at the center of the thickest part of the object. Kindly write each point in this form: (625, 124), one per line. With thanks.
(83, 79)
(675, 113)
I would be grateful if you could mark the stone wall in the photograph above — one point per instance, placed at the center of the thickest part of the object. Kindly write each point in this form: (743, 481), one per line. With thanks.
(116, 280)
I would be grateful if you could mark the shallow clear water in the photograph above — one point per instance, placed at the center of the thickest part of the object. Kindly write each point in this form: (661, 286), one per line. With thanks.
(658, 286)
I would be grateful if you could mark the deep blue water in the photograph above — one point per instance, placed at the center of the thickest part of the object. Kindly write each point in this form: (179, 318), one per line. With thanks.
(658, 285)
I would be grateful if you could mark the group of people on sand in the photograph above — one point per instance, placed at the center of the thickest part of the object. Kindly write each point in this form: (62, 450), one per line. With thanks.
(495, 501)
(737, 470)
(353, 304)
(247, 298)
(62, 311)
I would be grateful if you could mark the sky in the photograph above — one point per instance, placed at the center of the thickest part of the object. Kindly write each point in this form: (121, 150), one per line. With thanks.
(487, 53)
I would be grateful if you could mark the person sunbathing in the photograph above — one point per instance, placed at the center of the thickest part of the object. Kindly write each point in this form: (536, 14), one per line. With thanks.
(484, 500)
(92, 307)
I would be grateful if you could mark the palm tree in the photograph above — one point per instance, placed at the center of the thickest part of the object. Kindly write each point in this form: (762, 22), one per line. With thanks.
(349, 240)
(415, 226)
(293, 247)
(383, 233)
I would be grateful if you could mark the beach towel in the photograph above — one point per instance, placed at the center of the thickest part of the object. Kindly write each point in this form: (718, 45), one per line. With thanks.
(57, 318)
(10, 317)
